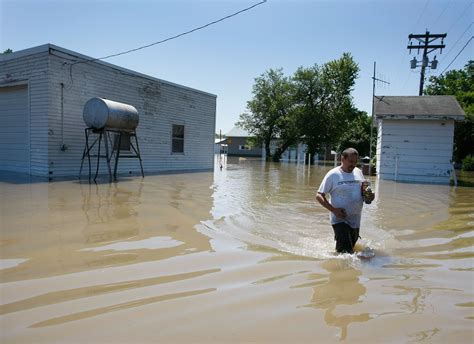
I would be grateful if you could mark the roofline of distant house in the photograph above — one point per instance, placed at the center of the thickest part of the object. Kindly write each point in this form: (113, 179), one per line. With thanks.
(421, 117)
(48, 47)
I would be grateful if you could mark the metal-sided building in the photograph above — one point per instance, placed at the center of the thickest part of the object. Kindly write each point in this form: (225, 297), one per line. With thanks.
(415, 137)
(42, 94)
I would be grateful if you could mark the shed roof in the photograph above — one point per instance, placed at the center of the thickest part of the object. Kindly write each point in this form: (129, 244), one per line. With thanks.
(418, 107)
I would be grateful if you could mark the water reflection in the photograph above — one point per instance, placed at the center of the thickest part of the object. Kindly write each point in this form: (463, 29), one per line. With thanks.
(56, 297)
(245, 246)
(341, 289)
(432, 221)
(64, 227)
(105, 207)
(273, 204)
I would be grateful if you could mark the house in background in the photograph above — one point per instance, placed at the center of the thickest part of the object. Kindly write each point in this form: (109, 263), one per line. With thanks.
(42, 95)
(220, 146)
(238, 144)
(415, 137)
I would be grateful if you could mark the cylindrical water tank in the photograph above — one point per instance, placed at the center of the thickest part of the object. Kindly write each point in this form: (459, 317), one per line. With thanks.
(99, 113)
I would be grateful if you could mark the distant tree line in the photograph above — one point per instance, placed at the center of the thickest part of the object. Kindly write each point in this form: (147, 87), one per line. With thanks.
(459, 83)
(313, 106)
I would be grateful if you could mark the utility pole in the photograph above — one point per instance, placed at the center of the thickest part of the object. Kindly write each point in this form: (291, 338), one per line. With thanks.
(374, 79)
(424, 43)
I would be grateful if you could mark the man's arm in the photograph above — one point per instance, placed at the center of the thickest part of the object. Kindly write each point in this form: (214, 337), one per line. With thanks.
(339, 212)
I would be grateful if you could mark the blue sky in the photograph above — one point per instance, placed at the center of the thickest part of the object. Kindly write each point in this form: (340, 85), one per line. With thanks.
(225, 58)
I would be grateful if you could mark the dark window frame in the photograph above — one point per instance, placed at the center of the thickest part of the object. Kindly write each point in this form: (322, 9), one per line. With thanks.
(177, 138)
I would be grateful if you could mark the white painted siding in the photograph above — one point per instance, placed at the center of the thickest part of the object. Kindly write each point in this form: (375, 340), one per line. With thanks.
(159, 104)
(14, 135)
(378, 150)
(56, 97)
(32, 70)
(415, 150)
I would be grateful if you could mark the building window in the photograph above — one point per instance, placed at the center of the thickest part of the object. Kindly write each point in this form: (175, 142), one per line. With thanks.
(244, 147)
(177, 144)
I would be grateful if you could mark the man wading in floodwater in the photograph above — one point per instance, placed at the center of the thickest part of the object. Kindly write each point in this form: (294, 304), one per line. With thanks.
(344, 185)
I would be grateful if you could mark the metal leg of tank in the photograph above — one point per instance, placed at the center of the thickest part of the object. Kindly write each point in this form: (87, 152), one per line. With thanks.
(107, 156)
(83, 154)
(137, 152)
(117, 155)
(88, 154)
(87, 150)
(98, 157)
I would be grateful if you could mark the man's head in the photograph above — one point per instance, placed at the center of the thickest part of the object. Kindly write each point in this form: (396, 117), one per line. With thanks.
(349, 159)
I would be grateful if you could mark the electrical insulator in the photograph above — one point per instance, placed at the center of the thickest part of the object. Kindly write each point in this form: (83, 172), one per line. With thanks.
(413, 63)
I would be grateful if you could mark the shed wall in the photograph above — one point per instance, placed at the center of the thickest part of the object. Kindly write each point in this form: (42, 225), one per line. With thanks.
(415, 150)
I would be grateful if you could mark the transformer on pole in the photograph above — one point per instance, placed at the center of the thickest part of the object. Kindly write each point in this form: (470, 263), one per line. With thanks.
(424, 44)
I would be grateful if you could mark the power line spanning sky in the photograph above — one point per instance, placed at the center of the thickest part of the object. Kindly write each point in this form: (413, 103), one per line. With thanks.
(225, 58)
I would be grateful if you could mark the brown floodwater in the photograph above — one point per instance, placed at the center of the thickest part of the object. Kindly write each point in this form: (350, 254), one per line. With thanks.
(241, 254)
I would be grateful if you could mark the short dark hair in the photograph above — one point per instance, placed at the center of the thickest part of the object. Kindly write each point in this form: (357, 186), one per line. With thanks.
(349, 151)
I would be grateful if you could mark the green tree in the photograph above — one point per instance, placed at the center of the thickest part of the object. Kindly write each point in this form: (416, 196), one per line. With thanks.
(323, 97)
(357, 135)
(270, 111)
(8, 51)
(459, 83)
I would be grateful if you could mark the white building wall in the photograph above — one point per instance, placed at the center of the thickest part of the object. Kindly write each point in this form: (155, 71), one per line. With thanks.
(415, 150)
(378, 150)
(159, 104)
(57, 96)
(32, 70)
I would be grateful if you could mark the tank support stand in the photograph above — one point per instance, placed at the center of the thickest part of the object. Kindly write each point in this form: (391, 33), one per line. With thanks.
(113, 141)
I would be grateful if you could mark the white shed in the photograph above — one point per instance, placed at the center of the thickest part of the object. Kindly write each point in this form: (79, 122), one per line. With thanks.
(42, 95)
(415, 137)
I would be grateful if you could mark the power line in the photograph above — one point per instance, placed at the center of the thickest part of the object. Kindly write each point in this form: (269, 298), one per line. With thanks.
(469, 41)
(463, 13)
(414, 26)
(175, 36)
(447, 54)
(422, 12)
(442, 12)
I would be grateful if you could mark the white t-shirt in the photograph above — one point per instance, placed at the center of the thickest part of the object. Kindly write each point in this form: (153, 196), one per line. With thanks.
(344, 190)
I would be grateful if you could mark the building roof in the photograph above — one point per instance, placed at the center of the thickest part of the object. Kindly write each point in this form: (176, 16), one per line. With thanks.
(51, 48)
(238, 132)
(418, 107)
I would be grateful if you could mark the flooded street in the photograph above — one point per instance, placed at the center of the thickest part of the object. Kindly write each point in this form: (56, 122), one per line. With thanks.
(242, 254)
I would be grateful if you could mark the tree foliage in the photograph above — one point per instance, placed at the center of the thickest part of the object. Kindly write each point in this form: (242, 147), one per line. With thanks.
(324, 100)
(269, 113)
(357, 135)
(7, 51)
(313, 106)
(459, 83)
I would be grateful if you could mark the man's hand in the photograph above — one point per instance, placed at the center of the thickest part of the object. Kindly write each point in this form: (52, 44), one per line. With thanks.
(340, 213)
